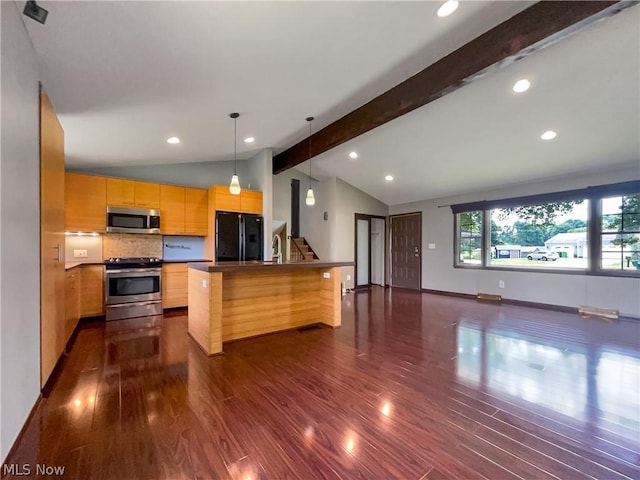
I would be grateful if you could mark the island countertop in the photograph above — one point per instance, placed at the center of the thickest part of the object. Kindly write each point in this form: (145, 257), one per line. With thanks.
(256, 265)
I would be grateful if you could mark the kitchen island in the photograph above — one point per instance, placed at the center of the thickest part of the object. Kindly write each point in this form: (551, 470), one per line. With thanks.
(233, 300)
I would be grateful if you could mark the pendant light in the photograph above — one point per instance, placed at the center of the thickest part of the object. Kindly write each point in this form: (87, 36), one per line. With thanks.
(311, 199)
(234, 186)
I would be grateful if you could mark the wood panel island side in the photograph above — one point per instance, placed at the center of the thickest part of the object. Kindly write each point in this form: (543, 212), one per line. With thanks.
(233, 300)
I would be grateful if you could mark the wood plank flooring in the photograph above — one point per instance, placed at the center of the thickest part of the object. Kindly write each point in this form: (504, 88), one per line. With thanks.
(413, 386)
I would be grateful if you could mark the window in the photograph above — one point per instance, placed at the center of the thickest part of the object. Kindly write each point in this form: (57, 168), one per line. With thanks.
(469, 234)
(547, 235)
(620, 233)
(595, 230)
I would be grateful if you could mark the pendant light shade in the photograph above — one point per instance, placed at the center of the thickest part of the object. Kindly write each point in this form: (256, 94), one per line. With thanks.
(310, 199)
(234, 186)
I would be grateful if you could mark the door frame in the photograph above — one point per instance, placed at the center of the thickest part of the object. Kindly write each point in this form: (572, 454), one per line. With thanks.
(389, 256)
(364, 216)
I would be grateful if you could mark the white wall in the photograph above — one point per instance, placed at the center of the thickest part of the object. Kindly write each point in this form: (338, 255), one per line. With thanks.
(557, 289)
(349, 201)
(19, 228)
(260, 177)
(332, 239)
(320, 233)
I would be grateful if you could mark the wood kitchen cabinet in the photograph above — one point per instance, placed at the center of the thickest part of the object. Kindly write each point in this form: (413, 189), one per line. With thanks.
(196, 218)
(52, 224)
(183, 210)
(172, 210)
(92, 291)
(72, 301)
(120, 192)
(174, 285)
(85, 203)
(223, 200)
(251, 202)
(131, 193)
(146, 194)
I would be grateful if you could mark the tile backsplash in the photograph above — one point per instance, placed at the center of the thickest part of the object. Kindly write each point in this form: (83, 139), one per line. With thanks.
(131, 245)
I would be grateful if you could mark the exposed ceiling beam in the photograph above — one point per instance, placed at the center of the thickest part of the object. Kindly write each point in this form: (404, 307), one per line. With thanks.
(529, 31)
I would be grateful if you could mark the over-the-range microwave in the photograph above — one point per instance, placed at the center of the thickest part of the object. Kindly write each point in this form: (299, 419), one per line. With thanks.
(132, 220)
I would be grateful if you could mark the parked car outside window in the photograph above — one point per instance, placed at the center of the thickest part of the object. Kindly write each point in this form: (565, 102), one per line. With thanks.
(544, 255)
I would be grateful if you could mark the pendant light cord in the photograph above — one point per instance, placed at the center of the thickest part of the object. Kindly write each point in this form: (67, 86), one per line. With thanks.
(235, 139)
(309, 119)
(234, 186)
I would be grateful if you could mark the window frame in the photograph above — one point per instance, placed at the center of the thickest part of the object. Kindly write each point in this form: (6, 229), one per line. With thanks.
(457, 250)
(594, 195)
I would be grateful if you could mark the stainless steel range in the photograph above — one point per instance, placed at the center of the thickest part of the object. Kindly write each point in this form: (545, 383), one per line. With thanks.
(132, 287)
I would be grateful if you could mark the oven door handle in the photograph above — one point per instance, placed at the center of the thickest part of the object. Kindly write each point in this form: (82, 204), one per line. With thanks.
(133, 304)
(135, 270)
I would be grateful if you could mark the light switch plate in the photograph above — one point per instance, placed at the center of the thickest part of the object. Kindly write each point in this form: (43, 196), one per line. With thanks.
(432, 246)
(326, 275)
(204, 284)
(80, 253)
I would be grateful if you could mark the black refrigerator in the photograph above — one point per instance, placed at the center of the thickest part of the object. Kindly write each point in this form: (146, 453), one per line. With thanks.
(239, 237)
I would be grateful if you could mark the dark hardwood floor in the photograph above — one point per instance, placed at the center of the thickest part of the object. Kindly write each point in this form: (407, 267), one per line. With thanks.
(413, 386)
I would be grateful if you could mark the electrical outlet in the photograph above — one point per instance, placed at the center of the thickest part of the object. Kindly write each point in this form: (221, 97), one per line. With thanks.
(326, 275)
(80, 253)
(204, 284)
(348, 277)
(432, 246)
(501, 284)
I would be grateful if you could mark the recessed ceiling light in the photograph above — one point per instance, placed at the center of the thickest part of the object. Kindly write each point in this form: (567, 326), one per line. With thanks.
(353, 155)
(447, 8)
(388, 178)
(173, 140)
(548, 135)
(249, 140)
(521, 85)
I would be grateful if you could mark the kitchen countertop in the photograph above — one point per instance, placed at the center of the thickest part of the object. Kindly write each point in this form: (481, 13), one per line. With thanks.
(70, 265)
(186, 261)
(257, 265)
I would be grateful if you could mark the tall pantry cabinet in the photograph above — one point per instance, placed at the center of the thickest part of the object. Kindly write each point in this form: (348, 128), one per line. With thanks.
(52, 272)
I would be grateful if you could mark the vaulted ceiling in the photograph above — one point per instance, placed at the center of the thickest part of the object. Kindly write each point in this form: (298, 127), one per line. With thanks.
(125, 76)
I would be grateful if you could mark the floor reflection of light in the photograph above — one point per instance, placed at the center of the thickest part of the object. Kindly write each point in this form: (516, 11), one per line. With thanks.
(386, 409)
(350, 443)
(618, 389)
(92, 399)
(308, 435)
(77, 403)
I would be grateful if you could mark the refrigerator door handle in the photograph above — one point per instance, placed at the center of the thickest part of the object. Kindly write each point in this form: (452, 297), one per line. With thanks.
(241, 227)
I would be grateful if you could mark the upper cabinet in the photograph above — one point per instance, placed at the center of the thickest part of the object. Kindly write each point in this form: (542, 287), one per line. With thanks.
(120, 192)
(85, 203)
(223, 200)
(146, 194)
(131, 193)
(183, 210)
(172, 209)
(196, 211)
(249, 201)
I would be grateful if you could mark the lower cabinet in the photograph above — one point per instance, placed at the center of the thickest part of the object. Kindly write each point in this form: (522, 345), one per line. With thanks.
(174, 285)
(92, 291)
(71, 301)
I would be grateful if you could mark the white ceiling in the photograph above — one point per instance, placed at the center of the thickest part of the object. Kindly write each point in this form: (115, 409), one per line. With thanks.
(124, 76)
